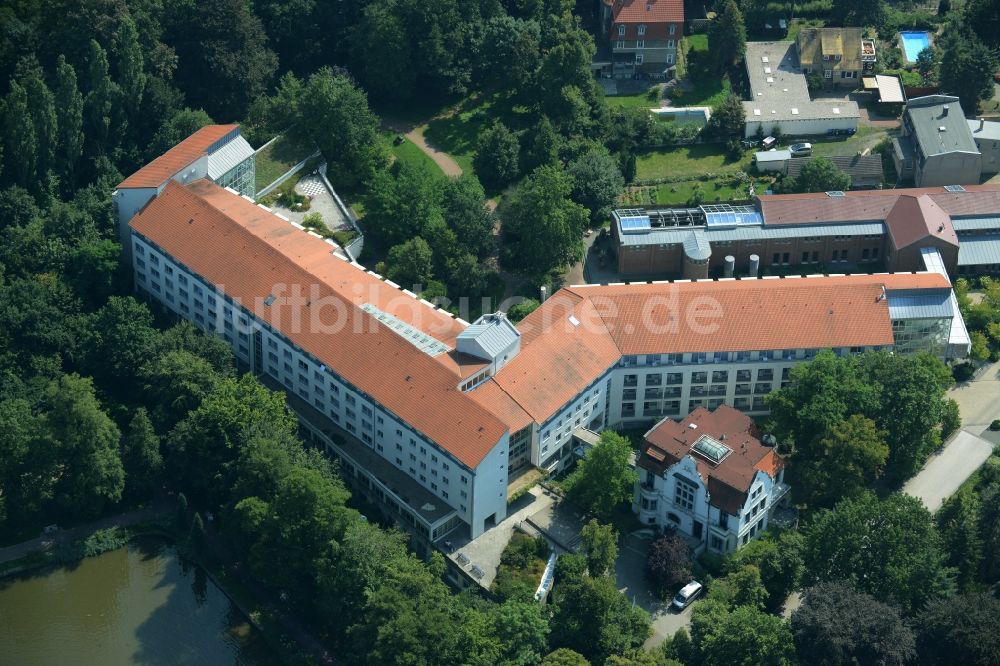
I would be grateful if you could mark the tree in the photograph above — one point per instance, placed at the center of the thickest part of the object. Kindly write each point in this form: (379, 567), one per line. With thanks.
(958, 522)
(820, 174)
(593, 618)
(496, 159)
(522, 629)
(98, 104)
(843, 463)
(668, 563)
(540, 147)
(984, 17)
(223, 62)
(858, 12)
(604, 478)
(522, 309)
(744, 636)
(727, 36)
(600, 545)
(129, 64)
(86, 441)
(927, 65)
(181, 124)
(69, 119)
(779, 560)
(383, 53)
(728, 117)
(570, 567)
(741, 587)
(967, 66)
(42, 107)
(951, 420)
(510, 52)
(544, 227)
(564, 657)
(464, 208)
(205, 443)
(334, 113)
(26, 470)
(122, 338)
(597, 182)
(141, 457)
(20, 146)
(410, 263)
(403, 202)
(887, 548)
(964, 629)
(836, 625)
(174, 383)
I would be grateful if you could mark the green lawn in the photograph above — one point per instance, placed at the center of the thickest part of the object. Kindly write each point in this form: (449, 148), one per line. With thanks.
(276, 159)
(410, 153)
(692, 160)
(457, 134)
(709, 89)
(865, 137)
(645, 100)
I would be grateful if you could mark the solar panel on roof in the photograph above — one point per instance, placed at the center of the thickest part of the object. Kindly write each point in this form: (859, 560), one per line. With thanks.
(954, 188)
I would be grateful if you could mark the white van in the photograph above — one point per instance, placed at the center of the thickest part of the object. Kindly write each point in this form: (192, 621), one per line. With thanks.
(687, 594)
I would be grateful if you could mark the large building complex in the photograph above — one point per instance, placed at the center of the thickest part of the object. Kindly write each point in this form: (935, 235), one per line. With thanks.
(840, 231)
(709, 477)
(431, 416)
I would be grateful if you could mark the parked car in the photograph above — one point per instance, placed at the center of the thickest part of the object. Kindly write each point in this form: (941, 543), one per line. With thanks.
(687, 594)
(800, 149)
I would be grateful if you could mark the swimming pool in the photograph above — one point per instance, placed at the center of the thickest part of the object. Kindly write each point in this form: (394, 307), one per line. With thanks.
(913, 43)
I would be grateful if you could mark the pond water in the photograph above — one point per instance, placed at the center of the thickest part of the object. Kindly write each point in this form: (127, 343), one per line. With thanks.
(138, 605)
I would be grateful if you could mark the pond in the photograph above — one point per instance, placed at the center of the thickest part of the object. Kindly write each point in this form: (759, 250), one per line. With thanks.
(138, 605)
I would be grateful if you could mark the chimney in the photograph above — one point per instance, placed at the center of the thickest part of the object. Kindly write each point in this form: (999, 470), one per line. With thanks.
(982, 121)
(944, 110)
(544, 293)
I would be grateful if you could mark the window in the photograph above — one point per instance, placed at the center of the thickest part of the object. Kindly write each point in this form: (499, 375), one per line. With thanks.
(620, 44)
(684, 494)
(670, 43)
(642, 30)
(640, 44)
(827, 74)
(716, 543)
(638, 57)
(621, 30)
(848, 75)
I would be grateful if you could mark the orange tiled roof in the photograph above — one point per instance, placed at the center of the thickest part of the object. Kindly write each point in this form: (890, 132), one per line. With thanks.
(649, 11)
(178, 157)
(249, 252)
(558, 359)
(727, 481)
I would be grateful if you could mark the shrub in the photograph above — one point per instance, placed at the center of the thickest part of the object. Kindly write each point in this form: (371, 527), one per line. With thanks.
(995, 426)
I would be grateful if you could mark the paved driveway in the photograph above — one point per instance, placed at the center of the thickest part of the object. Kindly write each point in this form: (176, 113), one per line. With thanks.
(629, 574)
(946, 471)
(979, 399)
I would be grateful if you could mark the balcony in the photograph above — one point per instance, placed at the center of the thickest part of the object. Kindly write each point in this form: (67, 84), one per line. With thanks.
(778, 492)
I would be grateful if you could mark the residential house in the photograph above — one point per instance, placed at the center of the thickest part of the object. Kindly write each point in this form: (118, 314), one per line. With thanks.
(711, 478)
(644, 36)
(936, 146)
(838, 55)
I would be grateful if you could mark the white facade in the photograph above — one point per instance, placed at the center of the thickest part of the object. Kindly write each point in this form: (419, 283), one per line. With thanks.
(679, 499)
(477, 497)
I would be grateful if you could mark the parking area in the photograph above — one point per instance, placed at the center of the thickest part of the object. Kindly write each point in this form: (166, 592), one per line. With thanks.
(629, 573)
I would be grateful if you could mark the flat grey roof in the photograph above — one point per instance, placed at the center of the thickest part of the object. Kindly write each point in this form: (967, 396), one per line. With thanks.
(675, 235)
(990, 131)
(939, 130)
(986, 223)
(774, 73)
(979, 250)
(934, 305)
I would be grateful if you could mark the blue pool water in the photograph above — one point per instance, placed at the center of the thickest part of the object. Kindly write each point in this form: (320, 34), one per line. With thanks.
(914, 43)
